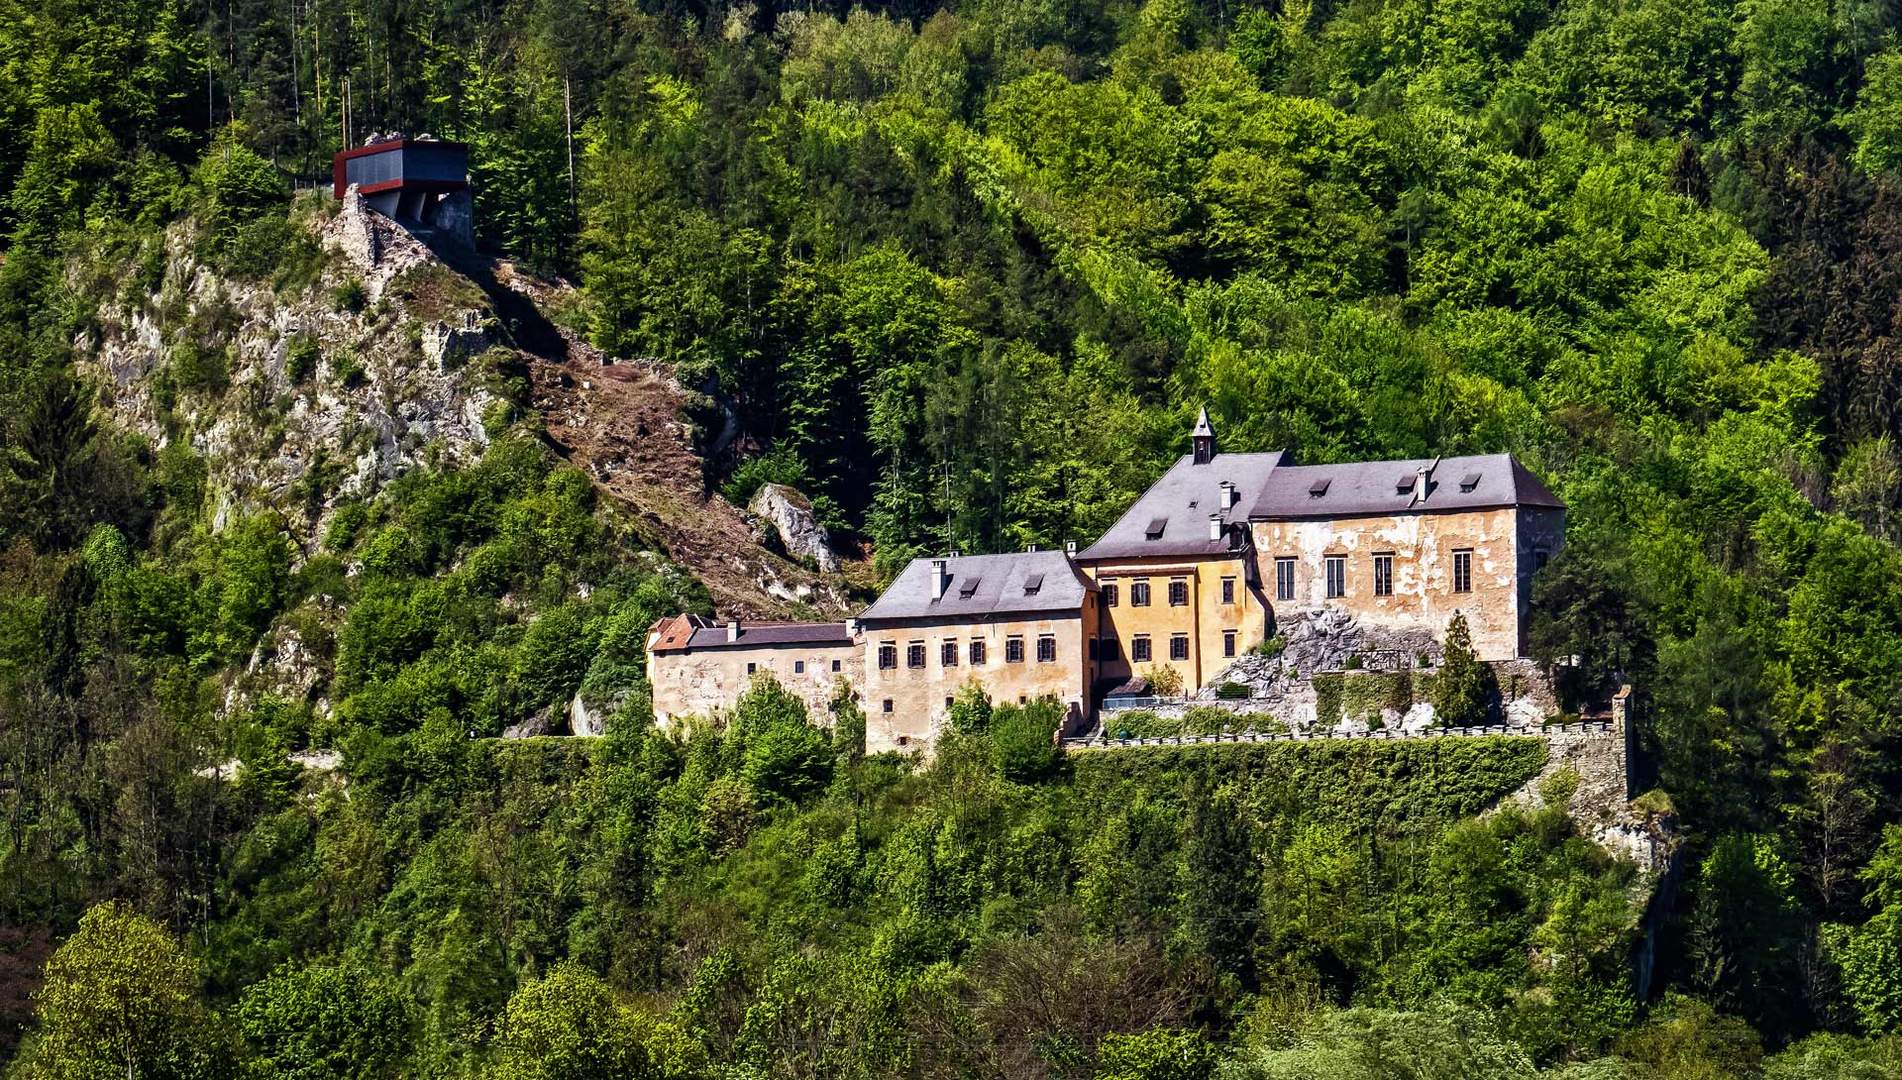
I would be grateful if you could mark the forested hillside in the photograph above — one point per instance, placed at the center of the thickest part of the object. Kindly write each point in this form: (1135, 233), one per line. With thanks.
(963, 274)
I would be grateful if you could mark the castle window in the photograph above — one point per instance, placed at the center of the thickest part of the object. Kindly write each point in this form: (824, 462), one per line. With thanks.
(1013, 650)
(1046, 649)
(751, 668)
(977, 654)
(1228, 590)
(1336, 576)
(1284, 578)
(888, 705)
(1178, 593)
(1228, 643)
(1469, 482)
(1111, 651)
(947, 701)
(1139, 648)
(1179, 647)
(1383, 575)
(1463, 571)
(887, 656)
(915, 654)
(1540, 557)
(798, 667)
(1139, 594)
(948, 653)
(1109, 595)
(969, 587)
(1156, 526)
(835, 665)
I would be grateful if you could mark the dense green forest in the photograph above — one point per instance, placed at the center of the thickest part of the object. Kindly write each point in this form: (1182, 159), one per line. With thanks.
(963, 274)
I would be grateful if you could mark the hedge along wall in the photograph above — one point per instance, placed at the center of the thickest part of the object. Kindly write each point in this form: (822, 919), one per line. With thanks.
(1374, 785)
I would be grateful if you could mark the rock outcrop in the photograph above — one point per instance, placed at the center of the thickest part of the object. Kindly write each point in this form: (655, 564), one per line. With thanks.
(800, 534)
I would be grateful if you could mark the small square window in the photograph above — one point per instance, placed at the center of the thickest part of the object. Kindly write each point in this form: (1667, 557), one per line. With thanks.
(1179, 647)
(947, 701)
(835, 665)
(1228, 643)
(888, 705)
(751, 668)
(1228, 590)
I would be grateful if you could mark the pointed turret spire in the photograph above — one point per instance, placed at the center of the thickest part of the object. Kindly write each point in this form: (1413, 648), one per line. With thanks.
(1202, 439)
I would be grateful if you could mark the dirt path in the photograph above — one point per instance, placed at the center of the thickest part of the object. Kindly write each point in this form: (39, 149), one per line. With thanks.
(623, 424)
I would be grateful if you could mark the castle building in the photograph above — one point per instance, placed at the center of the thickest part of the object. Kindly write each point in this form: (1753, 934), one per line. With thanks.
(1206, 564)
(1015, 624)
(698, 666)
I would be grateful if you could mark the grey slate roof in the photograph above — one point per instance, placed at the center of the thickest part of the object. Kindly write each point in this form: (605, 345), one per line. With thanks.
(1182, 501)
(981, 585)
(1376, 487)
(777, 633)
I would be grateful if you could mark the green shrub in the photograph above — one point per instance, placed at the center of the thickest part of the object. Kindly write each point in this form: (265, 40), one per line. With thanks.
(349, 296)
(346, 368)
(1232, 691)
(201, 369)
(300, 360)
(1272, 647)
(1164, 681)
(1023, 740)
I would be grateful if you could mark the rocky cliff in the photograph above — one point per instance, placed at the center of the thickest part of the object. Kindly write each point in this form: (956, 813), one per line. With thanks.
(391, 355)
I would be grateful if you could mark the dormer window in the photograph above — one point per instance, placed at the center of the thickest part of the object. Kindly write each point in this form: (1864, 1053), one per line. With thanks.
(1318, 488)
(1033, 584)
(969, 587)
(1469, 482)
(1404, 485)
(1154, 531)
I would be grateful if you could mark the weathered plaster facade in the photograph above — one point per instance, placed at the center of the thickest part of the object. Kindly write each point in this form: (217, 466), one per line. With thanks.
(697, 670)
(906, 706)
(1504, 545)
(1223, 614)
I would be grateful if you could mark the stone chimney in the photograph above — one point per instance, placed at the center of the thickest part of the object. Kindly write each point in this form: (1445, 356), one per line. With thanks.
(851, 628)
(1215, 527)
(1069, 548)
(1422, 482)
(939, 576)
(1228, 494)
(733, 629)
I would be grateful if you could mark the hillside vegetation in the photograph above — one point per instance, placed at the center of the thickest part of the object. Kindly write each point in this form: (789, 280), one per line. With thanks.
(963, 275)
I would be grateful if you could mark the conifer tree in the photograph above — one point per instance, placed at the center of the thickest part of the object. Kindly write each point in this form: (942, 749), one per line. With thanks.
(1461, 691)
